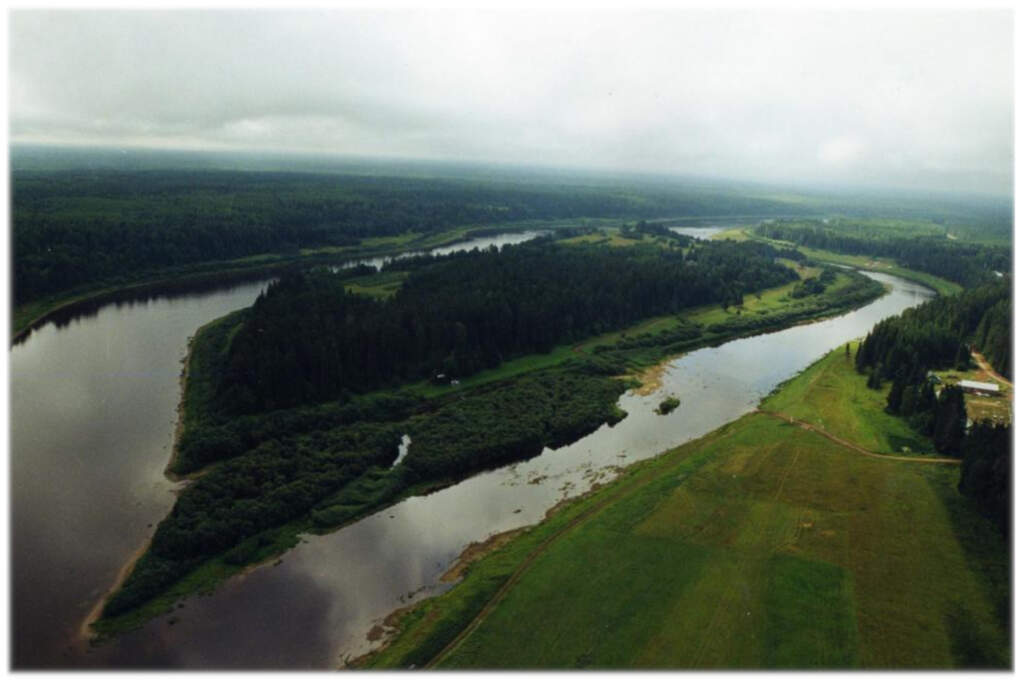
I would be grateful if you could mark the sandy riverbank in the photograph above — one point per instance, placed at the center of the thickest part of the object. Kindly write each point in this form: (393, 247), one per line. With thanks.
(179, 427)
(85, 632)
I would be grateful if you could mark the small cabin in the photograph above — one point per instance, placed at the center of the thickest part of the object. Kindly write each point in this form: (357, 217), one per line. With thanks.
(985, 389)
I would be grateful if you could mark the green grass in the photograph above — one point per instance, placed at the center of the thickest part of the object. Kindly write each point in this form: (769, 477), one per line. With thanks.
(380, 285)
(612, 238)
(761, 546)
(940, 285)
(831, 395)
(739, 234)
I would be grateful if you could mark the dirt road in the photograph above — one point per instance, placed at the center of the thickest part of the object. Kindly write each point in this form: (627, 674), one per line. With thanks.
(851, 445)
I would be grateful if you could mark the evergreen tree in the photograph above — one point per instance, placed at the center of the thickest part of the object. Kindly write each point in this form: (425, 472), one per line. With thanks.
(895, 399)
(950, 420)
(985, 473)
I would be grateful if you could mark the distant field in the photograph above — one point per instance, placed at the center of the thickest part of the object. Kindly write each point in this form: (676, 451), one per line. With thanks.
(381, 285)
(759, 546)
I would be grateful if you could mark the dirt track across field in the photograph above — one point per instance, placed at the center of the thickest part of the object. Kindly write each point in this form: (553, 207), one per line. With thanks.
(985, 366)
(851, 445)
(586, 515)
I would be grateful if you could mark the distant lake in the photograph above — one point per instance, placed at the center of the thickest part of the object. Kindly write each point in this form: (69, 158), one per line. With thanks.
(499, 240)
(699, 232)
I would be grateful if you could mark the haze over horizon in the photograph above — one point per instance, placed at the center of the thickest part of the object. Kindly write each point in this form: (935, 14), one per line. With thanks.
(911, 99)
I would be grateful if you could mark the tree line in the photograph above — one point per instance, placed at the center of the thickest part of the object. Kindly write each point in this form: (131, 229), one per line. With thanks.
(104, 227)
(935, 335)
(966, 263)
(308, 339)
(938, 334)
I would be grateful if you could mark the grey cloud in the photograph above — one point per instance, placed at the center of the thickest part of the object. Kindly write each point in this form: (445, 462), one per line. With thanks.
(903, 98)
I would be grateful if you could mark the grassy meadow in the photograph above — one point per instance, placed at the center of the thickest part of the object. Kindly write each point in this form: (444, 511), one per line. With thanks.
(761, 545)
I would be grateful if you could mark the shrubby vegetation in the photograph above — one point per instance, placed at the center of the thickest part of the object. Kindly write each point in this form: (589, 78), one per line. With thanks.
(668, 405)
(816, 285)
(334, 472)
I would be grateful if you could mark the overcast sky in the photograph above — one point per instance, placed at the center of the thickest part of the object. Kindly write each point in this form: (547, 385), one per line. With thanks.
(911, 99)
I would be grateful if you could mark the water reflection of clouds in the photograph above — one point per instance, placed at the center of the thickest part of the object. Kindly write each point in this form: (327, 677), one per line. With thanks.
(384, 557)
(112, 417)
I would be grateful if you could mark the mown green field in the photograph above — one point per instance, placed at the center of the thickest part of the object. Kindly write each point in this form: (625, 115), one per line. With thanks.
(832, 397)
(759, 546)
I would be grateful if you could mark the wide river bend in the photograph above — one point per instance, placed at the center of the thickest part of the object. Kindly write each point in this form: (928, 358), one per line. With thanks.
(92, 414)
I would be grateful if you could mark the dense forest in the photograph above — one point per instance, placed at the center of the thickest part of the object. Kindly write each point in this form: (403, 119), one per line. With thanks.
(935, 335)
(307, 339)
(104, 218)
(79, 227)
(966, 263)
(986, 474)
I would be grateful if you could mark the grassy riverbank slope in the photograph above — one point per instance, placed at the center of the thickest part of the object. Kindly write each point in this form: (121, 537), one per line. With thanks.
(761, 545)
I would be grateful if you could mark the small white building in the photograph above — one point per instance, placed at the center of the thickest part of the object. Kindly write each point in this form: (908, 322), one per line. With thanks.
(986, 388)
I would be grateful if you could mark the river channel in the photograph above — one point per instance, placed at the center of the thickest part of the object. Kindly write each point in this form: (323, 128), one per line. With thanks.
(92, 414)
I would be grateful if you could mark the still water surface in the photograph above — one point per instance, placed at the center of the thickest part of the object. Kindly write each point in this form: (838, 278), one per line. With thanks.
(699, 232)
(92, 416)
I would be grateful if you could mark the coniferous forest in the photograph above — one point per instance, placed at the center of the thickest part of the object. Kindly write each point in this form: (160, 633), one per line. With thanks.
(103, 227)
(940, 334)
(966, 263)
(936, 333)
(307, 339)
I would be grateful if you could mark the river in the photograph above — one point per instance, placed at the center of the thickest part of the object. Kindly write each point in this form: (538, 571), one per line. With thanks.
(699, 232)
(92, 412)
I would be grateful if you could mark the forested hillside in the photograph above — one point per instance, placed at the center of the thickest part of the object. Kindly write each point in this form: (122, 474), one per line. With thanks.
(307, 339)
